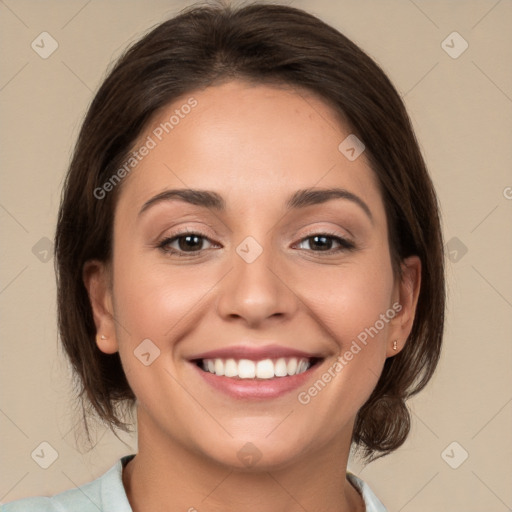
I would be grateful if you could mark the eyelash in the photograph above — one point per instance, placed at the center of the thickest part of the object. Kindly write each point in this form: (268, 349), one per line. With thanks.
(344, 244)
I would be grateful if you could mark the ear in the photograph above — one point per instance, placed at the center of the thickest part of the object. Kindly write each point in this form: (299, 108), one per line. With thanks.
(97, 280)
(406, 294)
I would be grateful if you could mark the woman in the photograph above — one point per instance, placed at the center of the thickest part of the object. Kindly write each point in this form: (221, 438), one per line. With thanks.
(248, 251)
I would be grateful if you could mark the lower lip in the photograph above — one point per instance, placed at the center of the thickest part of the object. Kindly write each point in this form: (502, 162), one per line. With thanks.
(246, 389)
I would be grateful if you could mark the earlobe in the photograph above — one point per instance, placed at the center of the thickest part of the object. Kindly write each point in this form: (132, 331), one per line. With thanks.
(96, 279)
(106, 345)
(408, 291)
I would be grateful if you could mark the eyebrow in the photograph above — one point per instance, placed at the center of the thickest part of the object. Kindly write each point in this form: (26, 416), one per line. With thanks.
(205, 198)
(312, 196)
(300, 199)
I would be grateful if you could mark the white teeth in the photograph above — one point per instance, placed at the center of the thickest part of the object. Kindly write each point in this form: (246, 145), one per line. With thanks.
(263, 369)
(219, 367)
(246, 369)
(292, 366)
(280, 368)
(230, 368)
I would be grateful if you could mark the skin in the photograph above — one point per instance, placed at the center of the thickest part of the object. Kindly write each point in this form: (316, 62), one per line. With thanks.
(255, 145)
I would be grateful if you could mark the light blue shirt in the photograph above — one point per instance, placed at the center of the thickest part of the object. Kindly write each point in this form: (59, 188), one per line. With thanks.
(107, 494)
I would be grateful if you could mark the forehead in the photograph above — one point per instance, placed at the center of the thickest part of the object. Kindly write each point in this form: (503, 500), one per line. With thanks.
(254, 144)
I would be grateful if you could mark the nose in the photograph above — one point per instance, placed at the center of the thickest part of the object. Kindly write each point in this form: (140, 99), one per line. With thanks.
(256, 293)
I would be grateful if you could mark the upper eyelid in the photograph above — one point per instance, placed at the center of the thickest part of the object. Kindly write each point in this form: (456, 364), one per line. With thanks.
(314, 230)
(211, 226)
(310, 233)
(325, 231)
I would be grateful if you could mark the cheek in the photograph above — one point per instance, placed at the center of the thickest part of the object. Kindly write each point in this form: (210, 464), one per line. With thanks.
(347, 299)
(156, 299)
(353, 305)
(354, 310)
(159, 302)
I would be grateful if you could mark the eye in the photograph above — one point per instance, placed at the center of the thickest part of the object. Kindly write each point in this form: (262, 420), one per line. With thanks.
(325, 242)
(187, 242)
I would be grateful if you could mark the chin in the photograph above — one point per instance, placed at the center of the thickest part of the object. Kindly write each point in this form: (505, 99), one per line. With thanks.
(254, 454)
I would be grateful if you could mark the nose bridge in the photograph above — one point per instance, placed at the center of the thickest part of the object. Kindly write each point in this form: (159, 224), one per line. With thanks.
(254, 290)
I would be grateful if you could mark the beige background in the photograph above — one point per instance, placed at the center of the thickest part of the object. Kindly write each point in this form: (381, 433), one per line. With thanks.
(462, 112)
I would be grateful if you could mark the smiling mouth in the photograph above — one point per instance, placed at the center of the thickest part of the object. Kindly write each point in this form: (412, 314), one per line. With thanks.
(264, 369)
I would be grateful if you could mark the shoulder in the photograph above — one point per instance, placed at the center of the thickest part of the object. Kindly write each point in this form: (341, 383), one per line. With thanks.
(67, 501)
(103, 494)
(372, 503)
(39, 504)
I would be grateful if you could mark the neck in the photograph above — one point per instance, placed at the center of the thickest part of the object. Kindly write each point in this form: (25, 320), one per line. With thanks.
(165, 474)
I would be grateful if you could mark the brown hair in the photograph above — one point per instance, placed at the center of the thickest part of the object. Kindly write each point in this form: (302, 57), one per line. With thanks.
(263, 43)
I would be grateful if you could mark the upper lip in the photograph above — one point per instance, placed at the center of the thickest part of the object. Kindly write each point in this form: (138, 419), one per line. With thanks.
(254, 353)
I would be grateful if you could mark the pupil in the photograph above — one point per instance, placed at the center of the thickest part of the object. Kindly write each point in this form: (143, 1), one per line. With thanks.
(322, 242)
(190, 242)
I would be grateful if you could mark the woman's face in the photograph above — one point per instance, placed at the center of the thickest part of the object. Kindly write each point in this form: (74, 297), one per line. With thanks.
(278, 263)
